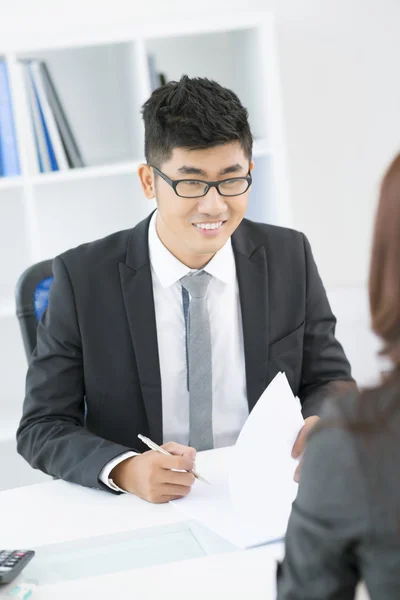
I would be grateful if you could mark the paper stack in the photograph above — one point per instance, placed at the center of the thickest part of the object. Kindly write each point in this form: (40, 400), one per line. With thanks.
(252, 488)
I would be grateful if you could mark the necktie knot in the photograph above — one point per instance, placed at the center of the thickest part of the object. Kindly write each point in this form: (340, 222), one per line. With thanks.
(196, 284)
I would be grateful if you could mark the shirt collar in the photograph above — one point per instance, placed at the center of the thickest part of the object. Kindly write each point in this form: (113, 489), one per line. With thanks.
(169, 269)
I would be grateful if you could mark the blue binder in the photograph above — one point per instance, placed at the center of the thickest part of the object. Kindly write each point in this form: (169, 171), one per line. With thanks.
(8, 141)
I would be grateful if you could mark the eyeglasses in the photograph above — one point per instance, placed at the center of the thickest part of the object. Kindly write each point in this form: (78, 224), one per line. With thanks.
(196, 188)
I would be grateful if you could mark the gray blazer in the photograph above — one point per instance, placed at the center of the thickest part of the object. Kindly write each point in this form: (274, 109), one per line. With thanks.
(345, 522)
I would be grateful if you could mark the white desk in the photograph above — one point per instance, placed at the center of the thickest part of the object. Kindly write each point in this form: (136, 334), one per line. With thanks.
(60, 513)
(57, 513)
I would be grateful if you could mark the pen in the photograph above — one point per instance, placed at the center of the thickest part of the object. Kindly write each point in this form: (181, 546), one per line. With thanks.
(154, 446)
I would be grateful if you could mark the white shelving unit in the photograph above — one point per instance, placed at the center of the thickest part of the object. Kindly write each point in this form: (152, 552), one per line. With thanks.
(102, 79)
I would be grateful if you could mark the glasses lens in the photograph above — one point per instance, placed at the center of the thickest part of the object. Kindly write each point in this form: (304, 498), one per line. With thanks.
(233, 187)
(191, 188)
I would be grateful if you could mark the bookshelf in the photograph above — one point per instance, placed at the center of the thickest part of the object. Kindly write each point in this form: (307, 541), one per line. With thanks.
(103, 79)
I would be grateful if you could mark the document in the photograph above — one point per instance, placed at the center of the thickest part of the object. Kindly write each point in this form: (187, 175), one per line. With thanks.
(252, 488)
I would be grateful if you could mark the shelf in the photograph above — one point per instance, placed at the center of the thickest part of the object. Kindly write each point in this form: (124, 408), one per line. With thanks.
(7, 183)
(102, 79)
(104, 206)
(121, 168)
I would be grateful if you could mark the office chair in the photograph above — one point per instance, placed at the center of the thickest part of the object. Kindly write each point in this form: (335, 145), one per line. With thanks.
(32, 294)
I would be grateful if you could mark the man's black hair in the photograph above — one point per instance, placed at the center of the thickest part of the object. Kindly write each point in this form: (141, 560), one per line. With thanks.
(194, 113)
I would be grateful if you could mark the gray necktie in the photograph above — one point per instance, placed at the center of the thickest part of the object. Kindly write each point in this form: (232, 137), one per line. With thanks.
(199, 361)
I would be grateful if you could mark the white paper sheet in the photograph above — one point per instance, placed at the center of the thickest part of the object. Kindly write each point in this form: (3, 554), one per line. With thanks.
(252, 489)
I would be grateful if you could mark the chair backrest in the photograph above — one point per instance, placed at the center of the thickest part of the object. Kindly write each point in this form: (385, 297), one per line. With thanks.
(32, 294)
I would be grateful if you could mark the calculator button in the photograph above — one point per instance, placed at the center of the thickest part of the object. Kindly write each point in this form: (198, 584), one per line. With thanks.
(5, 569)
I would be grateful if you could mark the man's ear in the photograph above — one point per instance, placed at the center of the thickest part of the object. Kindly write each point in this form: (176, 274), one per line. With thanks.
(146, 177)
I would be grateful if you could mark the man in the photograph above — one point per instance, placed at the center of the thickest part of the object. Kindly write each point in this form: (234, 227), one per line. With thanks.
(173, 329)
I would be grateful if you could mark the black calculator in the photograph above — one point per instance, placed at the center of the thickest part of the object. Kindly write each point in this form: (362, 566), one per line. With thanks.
(12, 562)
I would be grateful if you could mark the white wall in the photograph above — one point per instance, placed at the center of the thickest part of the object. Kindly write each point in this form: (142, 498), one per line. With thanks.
(341, 94)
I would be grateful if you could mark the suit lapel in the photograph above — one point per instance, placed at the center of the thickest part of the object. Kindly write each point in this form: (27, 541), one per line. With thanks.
(252, 274)
(137, 290)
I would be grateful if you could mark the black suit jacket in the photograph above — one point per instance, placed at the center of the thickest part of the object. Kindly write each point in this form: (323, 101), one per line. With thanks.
(94, 379)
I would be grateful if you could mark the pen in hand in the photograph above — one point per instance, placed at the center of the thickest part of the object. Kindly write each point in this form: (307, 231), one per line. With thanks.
(156, 448)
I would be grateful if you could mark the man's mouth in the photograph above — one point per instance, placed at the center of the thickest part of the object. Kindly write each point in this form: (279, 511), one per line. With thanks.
(209, 226)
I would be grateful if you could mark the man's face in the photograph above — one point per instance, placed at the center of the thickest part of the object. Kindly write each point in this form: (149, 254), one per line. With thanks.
(180, 220)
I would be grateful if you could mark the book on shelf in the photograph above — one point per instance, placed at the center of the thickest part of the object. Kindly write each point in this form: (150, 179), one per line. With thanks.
(9, 159)
(58, 157)
(55, 144)
(73, 153)
(42, 151)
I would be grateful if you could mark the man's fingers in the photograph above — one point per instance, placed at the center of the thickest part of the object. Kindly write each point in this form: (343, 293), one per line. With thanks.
(165, 499)
(178, 491)
(180, 463)
(299, 445)
(175, 478)
(300, 442)
(180, 450)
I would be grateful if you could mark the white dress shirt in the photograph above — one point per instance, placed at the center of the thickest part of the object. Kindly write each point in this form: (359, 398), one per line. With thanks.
(230, 408)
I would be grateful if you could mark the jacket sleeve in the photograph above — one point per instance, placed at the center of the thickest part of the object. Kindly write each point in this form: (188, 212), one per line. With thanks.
(326, 371)
(51, 435)
(328, 523)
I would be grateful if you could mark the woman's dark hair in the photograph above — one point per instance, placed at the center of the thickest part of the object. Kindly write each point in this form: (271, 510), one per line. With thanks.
(377, 406)
(193, 113)
(384, 281)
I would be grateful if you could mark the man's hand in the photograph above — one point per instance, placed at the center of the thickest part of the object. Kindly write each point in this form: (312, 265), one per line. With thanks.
(300, 443)
(150, 475)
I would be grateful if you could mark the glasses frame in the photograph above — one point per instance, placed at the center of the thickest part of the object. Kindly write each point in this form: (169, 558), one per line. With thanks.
(209, 184)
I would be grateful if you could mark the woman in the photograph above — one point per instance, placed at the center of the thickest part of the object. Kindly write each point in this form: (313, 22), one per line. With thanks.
(345, 523)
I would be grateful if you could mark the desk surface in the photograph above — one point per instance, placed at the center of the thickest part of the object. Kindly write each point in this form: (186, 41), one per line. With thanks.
(57, 512)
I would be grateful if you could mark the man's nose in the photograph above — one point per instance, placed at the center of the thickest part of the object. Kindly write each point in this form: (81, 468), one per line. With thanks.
(212, 203)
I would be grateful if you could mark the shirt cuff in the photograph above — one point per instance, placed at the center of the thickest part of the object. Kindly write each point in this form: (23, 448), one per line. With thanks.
(105, 472)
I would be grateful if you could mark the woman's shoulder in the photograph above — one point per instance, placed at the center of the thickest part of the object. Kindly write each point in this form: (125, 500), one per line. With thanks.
(351, 459)
(370, 413)
(332, 479)
(340, 410)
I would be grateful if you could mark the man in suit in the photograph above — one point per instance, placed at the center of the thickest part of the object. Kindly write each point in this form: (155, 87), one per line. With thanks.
(173, 329)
